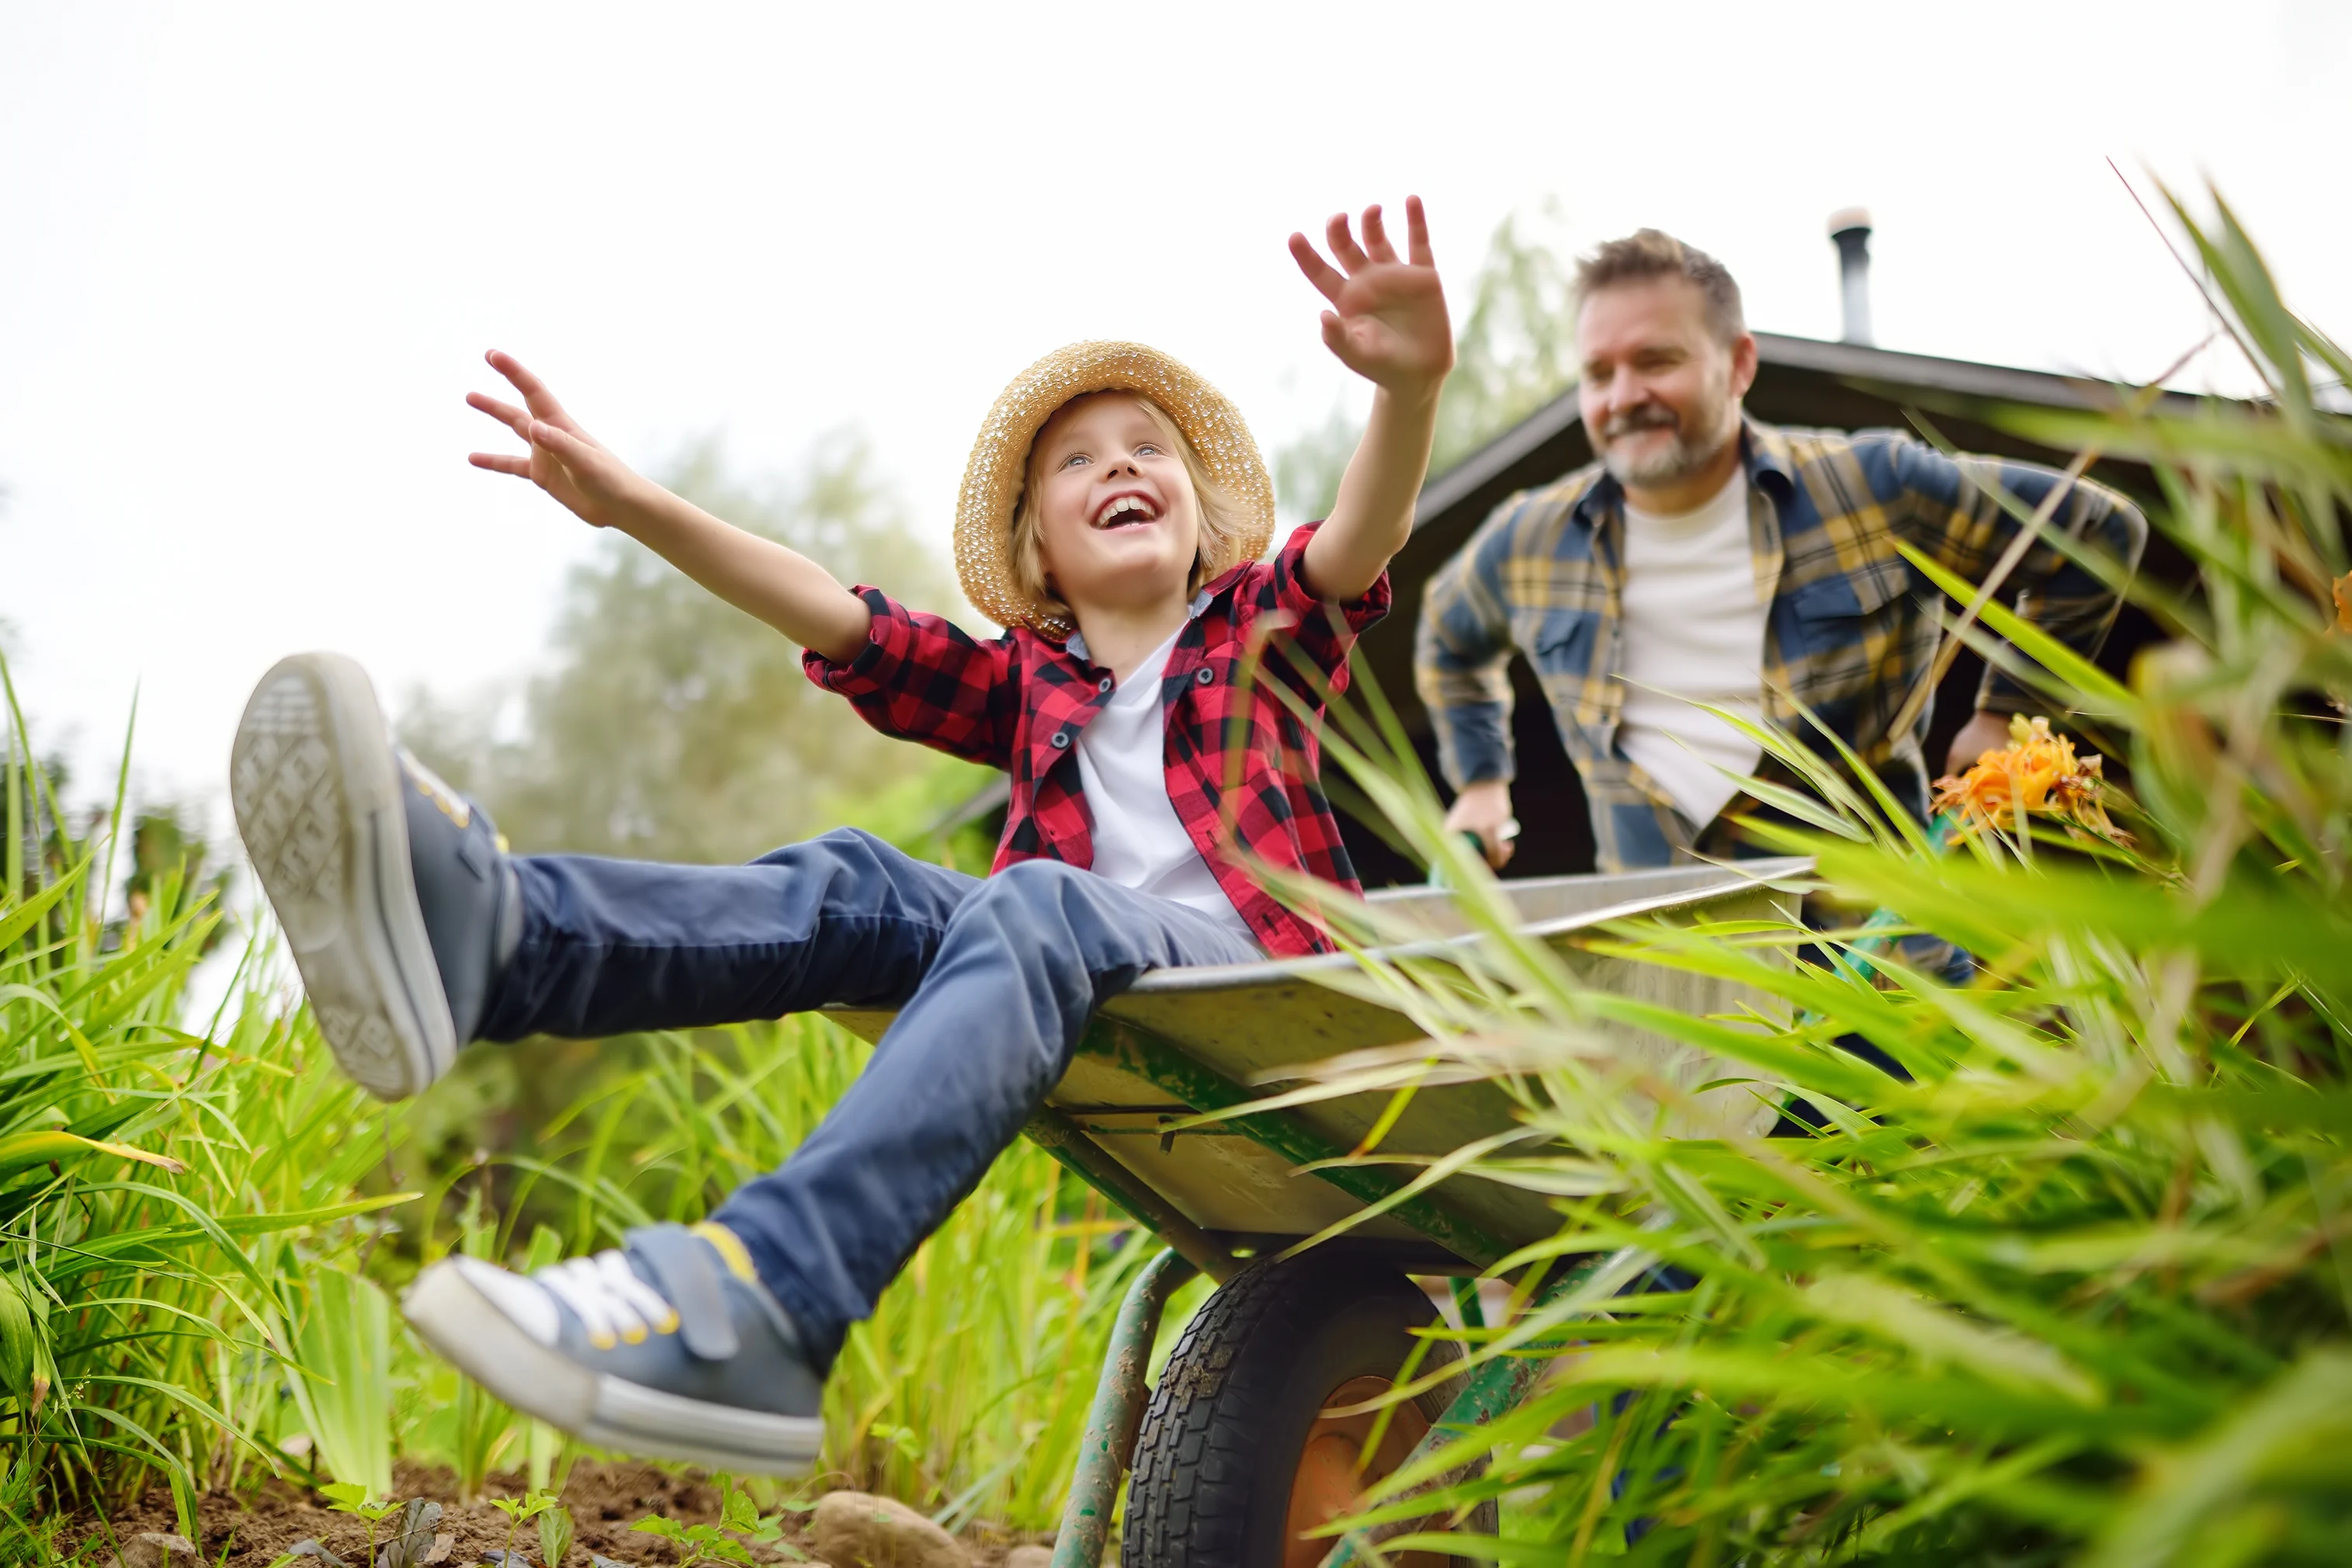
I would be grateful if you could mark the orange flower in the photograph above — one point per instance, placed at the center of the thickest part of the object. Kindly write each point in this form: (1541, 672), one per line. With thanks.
(2036, 772)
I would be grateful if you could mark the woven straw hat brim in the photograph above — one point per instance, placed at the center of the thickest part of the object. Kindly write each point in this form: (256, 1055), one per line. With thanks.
(993, 474)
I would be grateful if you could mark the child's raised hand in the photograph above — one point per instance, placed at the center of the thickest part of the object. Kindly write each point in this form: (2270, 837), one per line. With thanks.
(566, 461)
(1387, 321)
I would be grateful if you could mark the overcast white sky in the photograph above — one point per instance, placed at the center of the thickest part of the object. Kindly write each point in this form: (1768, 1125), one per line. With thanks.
(250, 257)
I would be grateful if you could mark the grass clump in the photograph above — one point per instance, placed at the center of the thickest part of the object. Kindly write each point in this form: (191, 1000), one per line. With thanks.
(163, 1192)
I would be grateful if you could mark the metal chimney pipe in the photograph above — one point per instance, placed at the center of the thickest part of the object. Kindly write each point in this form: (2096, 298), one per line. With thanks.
(1849, 227)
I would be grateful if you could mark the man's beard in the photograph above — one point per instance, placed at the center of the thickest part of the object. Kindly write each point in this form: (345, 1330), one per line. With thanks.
(1688, 453)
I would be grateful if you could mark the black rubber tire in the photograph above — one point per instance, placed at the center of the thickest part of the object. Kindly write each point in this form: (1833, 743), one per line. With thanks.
(1222, 1435)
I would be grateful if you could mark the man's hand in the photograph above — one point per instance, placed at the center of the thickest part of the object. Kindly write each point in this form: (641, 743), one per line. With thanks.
(1983, 733)
(566, 461)
(1485, 809)
(1387, 321)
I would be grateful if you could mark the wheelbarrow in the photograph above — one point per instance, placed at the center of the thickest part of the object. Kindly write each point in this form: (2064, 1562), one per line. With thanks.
(1255, 1431)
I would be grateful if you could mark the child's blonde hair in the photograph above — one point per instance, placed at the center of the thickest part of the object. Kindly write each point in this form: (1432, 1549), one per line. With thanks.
(1222, 527)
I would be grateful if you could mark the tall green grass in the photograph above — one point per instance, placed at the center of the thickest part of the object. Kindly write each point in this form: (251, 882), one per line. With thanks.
(2078, 1288)
(164, 1192)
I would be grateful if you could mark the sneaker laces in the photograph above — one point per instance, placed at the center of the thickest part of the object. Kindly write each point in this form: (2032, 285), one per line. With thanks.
(613, 1304)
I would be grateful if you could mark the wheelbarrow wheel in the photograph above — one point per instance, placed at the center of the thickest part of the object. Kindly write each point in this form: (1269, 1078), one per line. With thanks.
(1242, 1448)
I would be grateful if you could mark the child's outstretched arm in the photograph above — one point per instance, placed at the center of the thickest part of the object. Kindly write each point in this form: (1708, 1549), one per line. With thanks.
(1388, 324)
(757, 576)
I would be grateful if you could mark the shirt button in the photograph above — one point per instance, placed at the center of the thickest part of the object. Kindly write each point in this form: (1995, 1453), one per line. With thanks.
(1104, 684)
(1206, 675)
(1061, 740)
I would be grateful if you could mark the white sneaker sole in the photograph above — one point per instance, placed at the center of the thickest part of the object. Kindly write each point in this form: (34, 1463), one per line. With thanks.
(460, 1323)
(318, 799)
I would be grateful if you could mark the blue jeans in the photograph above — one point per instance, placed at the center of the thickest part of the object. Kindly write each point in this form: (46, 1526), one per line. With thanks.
(994, 981)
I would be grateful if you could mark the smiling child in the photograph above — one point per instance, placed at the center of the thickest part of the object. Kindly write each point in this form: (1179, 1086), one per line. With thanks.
(1112, 518)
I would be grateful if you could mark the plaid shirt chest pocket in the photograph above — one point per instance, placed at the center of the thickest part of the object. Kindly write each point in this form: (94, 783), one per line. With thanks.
(1230, 732)
(1569, 650)
(1841, 634)
(1562, 641)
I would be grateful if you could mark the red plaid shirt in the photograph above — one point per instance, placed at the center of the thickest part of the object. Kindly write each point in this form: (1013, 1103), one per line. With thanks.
(1019, 702)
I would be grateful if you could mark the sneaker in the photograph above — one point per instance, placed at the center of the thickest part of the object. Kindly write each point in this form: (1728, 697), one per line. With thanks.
(666, 1348)
(394, 891)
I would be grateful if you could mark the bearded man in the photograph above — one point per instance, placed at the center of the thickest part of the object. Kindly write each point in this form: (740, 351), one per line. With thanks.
(1710, 559)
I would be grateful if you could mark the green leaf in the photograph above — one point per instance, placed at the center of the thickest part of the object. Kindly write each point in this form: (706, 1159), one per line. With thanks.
(2107, 697)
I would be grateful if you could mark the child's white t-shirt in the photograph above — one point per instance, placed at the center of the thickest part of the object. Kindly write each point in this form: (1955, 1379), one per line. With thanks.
(1139, 840)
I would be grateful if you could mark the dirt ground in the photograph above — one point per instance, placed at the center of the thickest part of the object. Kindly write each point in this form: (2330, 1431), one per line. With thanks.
(606, 1500)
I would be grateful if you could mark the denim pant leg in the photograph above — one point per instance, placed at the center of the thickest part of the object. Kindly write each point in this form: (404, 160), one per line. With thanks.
(612, 946)
(1027, 959)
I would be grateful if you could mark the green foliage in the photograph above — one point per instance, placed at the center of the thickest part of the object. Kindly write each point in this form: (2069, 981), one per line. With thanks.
(520, 1512)
(360, 1503)
(696, 1542)
(1513, 352)
(162, 1194)
(669, 726)
(2075, 1289)
(555, 1536)
(341, 1381)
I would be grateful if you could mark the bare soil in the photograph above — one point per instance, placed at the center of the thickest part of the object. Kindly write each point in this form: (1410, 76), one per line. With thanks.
(247, 1530)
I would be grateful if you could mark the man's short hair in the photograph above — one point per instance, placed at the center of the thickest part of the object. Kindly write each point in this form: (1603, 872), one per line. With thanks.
(1649, 253)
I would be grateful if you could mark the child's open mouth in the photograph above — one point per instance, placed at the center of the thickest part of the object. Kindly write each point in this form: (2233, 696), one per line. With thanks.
(1127, 511)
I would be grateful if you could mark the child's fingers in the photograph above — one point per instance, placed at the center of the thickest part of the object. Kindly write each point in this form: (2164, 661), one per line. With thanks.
(535, 394)
(1416, 234)
(1327, 279)
(1344, 249)
(506, 414)
(498, 463)
(1335, 336)
(1376, 235)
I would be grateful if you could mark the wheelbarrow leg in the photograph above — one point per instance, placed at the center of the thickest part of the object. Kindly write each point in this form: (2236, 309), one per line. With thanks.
(1117, 1414)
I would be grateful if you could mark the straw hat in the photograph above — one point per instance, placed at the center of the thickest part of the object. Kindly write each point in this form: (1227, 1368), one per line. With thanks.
(994, 476)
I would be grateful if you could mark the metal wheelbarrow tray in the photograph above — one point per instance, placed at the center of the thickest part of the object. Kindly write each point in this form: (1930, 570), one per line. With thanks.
(1183, 1041)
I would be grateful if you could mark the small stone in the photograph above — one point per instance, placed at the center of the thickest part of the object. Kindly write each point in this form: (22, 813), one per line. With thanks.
(153, 1549)
(858, 1530)
(1030, 1557)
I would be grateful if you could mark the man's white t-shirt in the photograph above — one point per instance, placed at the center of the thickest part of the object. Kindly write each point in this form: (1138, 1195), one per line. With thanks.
(1139, 841)
(1693, 631)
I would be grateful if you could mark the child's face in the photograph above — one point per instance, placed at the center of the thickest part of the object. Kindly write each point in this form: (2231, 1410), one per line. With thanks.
(1118, 521)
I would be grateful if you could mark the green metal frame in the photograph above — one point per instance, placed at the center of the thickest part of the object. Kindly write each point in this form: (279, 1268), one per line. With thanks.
(1078, 1154)
(1117, 1415)
(1169, 1070)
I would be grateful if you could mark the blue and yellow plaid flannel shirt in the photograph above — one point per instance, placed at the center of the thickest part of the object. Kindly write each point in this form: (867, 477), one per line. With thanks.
(1847, 634)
